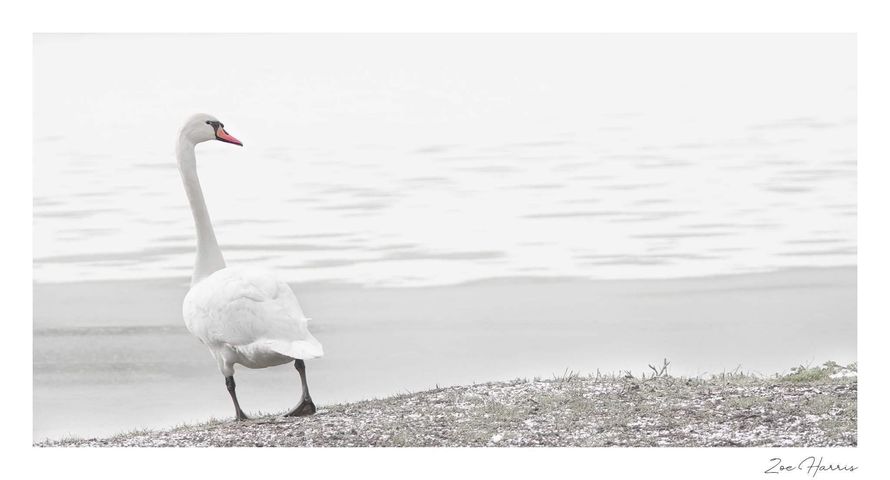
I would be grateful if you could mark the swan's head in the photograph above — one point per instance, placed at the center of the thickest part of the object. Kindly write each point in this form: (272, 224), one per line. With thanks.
(202, 127)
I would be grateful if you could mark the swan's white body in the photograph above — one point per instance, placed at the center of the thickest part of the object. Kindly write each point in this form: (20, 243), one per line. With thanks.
(248, 316)
(245, 316)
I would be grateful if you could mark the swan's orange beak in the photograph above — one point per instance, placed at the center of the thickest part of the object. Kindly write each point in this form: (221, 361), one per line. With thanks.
(223, 136)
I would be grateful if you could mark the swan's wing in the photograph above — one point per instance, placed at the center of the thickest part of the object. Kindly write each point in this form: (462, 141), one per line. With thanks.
(244, 306)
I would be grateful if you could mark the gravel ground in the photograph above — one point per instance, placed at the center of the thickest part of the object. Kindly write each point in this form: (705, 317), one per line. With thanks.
(808, 408)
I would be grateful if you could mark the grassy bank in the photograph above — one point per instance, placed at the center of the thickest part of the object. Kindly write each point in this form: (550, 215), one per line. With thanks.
(806, 407)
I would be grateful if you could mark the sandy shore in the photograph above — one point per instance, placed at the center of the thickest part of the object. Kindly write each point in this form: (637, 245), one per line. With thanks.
(114, 356)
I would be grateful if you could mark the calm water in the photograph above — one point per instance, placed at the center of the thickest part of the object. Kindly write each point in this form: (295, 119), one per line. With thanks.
(416, 161)
(360, 166)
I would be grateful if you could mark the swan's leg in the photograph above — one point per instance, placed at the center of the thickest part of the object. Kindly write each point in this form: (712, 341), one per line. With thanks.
(306, 407)
(230, 386)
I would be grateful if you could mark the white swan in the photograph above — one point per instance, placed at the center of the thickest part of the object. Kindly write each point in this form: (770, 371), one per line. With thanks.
(243, 315)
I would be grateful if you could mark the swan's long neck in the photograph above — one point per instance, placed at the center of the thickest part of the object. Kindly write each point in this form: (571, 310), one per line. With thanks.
(209, 258)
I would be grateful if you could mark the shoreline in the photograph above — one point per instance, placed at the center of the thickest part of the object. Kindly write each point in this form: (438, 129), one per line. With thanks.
(84, 293)
(813, 407)
(341, 284)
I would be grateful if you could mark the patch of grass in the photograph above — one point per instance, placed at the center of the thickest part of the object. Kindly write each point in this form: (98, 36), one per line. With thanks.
(821, 373)
(567, 376)
(804, 375)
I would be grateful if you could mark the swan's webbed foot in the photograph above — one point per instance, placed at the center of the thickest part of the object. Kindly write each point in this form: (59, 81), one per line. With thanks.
(305, 408)
(241, 417)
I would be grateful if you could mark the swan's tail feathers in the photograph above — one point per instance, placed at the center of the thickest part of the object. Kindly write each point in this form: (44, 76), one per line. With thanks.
(302, 349)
